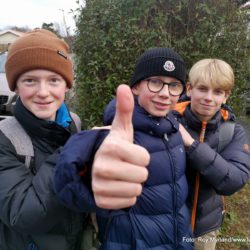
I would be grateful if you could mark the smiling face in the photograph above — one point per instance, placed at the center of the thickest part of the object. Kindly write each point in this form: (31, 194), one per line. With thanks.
(157, 104)
(210, 84)
(42, 92)
(206, 100)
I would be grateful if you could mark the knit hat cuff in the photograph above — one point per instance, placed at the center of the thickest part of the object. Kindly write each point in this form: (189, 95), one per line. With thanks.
(148, 68)
(38, 58)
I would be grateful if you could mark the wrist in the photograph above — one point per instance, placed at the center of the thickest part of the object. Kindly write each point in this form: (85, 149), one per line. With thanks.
(190, 142)
(192, 146)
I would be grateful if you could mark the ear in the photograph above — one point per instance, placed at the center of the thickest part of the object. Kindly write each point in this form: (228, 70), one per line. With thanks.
(226, 97)
(135, 89)
(188, 89)
(16, 90)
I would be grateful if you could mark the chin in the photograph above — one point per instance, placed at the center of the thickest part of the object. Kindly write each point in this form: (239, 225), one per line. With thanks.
(46, 117)
(160, 114)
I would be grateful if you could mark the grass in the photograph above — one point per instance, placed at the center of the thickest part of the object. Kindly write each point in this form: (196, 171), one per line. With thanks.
(236, 226)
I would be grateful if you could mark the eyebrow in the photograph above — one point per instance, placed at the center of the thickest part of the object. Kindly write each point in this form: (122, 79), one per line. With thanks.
(157, 77)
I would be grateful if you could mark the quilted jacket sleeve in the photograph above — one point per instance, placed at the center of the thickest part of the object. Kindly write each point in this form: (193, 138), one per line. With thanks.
(77, 155)
(227, 171)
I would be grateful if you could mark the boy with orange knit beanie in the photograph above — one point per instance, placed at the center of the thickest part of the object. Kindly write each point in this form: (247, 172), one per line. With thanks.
(39, 70)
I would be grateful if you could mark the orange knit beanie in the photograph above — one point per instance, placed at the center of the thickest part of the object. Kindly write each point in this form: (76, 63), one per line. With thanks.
(38, 49)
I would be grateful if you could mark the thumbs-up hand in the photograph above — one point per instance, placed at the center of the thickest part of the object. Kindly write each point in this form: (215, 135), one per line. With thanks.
(119, 166)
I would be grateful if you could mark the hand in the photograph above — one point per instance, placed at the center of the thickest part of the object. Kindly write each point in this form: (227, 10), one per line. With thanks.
(119, 166)
(186, 137)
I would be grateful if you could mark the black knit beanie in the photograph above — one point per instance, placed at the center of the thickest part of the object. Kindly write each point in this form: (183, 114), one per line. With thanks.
(159, 62)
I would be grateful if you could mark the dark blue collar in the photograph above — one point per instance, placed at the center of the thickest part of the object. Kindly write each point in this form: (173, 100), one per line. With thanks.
(143, 121)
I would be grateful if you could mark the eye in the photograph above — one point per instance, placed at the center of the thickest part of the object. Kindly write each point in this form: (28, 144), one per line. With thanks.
(155, 81)
(202, 88)
(29, 81)
(175, 84)
(55, 80)
(219, 92)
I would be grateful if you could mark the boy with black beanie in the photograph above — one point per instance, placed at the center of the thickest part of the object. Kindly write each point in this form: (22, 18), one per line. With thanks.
(158, 217)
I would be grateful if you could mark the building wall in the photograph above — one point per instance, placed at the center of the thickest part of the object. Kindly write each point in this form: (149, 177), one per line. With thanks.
(8, 38)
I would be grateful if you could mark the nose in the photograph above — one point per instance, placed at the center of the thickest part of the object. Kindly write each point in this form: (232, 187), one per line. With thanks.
(164, 91)
(43, 89)
(209, 95)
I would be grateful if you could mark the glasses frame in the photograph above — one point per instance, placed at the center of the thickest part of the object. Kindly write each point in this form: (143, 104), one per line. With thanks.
(163, 84)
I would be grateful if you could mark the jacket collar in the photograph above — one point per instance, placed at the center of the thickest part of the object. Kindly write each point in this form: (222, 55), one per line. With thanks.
(45, 131)
(224, 114)
(224, 111)
(143, 121)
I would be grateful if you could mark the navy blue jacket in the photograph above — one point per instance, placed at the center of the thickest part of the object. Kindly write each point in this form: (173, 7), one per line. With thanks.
(221, 173)
(160, 218)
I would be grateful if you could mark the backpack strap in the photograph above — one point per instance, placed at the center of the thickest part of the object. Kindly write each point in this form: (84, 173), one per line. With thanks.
(76, 120)
(226, 132)
(21, 141)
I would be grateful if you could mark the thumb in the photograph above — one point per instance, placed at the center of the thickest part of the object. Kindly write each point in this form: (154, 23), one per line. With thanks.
(122, 123)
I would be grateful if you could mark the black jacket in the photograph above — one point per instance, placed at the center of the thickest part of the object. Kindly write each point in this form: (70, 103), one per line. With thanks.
(30, 214)
(221, 173)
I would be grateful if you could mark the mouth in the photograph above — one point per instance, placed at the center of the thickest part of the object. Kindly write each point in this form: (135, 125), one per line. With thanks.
(207, 106)
(161, 106)
(42, 103)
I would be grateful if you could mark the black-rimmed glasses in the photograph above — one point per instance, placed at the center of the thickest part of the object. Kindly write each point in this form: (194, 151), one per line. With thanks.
(155, 85)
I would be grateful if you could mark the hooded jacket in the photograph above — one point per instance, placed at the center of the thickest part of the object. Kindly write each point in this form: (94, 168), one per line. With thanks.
(31, 217)
(220, 173)
(160, 218)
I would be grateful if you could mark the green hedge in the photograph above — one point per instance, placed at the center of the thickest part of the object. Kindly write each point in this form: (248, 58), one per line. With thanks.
(111, 34)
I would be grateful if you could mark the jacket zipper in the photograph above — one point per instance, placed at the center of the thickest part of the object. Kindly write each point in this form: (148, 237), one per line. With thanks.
(197, 180)
(174, 190)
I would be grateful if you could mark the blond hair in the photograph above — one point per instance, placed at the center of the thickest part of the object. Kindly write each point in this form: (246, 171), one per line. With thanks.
(214, 72)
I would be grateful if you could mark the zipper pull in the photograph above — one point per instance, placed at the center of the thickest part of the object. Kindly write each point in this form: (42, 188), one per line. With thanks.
(166, 136)
(203, 131)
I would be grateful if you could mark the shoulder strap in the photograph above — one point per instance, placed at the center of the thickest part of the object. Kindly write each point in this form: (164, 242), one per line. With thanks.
(76, 120)
(22, 143)
(226, 132)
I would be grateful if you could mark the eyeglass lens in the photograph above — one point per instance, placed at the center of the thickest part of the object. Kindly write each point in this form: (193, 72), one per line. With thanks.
(156, 85)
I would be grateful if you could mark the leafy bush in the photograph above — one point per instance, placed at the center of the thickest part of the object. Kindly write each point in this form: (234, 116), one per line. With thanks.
(111, 34)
